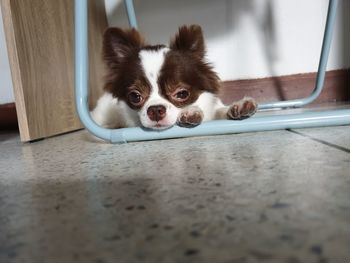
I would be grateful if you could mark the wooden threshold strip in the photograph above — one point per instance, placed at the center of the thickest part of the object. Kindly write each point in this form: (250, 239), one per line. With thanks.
(337, 89)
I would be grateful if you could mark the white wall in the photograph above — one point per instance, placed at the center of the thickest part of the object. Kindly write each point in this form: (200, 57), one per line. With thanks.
(6, 93)
(247, 38)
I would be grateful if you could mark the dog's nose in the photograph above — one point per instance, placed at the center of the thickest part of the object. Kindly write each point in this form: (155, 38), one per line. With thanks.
(156, 112)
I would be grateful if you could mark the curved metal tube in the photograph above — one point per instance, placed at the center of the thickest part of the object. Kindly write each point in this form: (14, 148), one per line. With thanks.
(82, 70)
(255, 124)
(302, 120)
(130, 10)
(322, 67)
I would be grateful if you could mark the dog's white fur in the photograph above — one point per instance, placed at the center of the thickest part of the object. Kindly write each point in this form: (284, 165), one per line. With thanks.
(113, 113)
(151, 63)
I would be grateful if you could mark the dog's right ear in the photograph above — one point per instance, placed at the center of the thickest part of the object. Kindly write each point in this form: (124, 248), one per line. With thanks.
(189, 39)
(118, 43)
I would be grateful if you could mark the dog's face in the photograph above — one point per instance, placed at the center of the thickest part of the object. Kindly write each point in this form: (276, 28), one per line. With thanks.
(157, 81)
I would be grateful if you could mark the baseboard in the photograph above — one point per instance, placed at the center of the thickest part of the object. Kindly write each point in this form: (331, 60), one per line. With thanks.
(8, 117)
(337, 88)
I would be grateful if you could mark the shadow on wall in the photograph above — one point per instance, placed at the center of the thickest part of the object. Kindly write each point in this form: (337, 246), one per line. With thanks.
(345, 21)
(344, 12)
(160, 19)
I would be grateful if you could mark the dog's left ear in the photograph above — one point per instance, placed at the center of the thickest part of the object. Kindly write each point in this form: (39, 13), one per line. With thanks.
(119, 44)
(189, 39)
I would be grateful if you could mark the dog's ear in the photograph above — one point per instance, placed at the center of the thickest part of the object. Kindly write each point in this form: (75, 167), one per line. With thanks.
(189, 38)
(118, 43)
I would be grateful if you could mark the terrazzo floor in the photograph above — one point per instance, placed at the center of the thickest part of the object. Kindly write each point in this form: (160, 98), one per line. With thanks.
(281, 196)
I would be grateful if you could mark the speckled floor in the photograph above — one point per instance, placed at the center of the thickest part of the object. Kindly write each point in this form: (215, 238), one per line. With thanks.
(281, 196)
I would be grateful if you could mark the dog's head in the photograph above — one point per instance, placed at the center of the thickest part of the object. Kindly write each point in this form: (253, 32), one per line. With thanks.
(157, 81)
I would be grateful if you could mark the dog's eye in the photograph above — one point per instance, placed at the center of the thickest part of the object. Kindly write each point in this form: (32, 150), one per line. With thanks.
(182, 95)
(135, 97)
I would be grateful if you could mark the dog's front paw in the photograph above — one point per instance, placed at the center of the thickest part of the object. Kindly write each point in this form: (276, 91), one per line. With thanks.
(242, 109)
(190, 117)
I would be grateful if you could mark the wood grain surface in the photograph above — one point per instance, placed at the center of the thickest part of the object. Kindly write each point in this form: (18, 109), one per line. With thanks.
(296, 86)
(40, 43)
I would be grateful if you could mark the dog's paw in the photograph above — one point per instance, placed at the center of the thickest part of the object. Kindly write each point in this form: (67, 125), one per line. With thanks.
(190, 117)
(242, 109)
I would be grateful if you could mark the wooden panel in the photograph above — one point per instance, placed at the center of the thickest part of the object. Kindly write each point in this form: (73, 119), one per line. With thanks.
(289, 87)
(8, 118)
(39, 35)
(267, 89)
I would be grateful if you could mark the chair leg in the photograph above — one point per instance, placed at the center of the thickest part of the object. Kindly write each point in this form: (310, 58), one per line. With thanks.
(327, 39)
(130, 10)
(264, 123)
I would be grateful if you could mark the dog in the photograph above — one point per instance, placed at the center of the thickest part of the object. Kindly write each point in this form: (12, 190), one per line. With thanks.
(156, 86)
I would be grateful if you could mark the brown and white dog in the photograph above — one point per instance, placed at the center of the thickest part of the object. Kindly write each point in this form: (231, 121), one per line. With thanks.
(156, 86)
